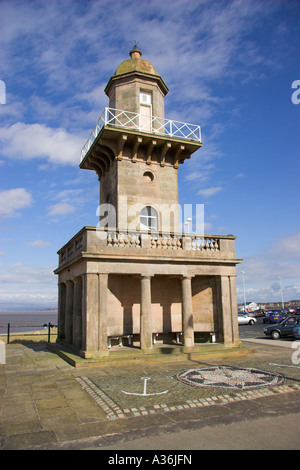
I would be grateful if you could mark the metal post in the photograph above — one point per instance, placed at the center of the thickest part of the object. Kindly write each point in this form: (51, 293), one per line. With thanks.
(49, 326)
(8, 332)
(243, 275)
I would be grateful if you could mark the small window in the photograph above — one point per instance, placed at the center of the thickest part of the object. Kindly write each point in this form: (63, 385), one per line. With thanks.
(149, 218)
(145, 98)
(148, 176)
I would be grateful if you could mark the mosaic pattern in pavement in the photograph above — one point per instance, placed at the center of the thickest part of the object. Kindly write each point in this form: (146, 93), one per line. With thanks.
(125, 396)
(230, 377)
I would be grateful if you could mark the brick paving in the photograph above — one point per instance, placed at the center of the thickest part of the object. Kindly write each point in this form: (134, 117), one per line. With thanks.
(114, 411)
(45, 403)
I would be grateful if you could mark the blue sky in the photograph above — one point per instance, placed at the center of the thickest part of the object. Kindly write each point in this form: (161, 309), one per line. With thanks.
(229, 66)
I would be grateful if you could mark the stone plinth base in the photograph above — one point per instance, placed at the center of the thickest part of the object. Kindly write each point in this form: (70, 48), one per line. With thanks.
(168, 353)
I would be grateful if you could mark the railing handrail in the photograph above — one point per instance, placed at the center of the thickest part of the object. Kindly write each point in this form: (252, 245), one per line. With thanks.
(167, 127)
(160, 232)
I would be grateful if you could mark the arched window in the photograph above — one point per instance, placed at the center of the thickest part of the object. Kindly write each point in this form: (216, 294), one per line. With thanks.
(149, 218)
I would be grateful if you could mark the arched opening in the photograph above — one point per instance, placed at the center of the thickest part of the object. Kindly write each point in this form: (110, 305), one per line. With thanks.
(148, 218)
(148, 176)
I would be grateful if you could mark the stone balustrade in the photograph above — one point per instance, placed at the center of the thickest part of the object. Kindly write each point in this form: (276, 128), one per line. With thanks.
(100, 240)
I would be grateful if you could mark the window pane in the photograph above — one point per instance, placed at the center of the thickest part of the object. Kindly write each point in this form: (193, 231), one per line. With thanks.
(148, 218)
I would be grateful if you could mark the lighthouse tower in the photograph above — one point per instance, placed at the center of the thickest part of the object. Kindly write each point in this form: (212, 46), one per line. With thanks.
(138, 152)
(136, 279)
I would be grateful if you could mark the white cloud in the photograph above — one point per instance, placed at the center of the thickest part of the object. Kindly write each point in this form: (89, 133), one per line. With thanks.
(28, 285)
(12, 200)
(209, 191)
(62, 208)
(241, 175)
(37, 296)
(68, 202)
(288, 247)
(38, 243)
(262, 272)
(68, 195)
(20, 274)
(28, 141)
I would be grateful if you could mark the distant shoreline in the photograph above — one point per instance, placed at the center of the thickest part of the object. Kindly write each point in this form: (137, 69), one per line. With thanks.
(28, 312)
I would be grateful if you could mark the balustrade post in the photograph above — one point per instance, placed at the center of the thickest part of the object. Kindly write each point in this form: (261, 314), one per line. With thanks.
(186, 242)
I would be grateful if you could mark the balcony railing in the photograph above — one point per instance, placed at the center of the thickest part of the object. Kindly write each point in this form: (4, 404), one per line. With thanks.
(134, 121)
(97, 240)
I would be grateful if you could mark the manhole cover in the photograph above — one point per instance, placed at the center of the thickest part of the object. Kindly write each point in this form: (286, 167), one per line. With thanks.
(229, 377)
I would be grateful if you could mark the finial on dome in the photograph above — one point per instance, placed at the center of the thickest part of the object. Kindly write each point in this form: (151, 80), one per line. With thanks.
(135, 52)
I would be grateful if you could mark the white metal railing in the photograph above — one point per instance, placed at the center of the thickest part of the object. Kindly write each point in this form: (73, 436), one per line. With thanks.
(142, 123)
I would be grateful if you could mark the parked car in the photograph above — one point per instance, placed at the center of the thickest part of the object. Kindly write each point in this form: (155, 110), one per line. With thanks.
(296, 331)
(245, 319)
(259, 313)
(274, 316)
(285, 328)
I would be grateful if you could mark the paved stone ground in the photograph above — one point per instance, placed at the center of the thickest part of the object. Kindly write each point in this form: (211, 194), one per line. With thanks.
(45, 403)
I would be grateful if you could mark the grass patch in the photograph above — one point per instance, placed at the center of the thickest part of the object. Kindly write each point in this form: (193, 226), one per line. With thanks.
(40, 336)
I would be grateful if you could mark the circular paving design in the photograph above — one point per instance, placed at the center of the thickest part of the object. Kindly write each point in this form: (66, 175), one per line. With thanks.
(229, 377)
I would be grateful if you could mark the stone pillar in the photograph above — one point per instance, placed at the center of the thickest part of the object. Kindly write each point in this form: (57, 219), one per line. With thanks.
(90, 314)
(61, 311)
(146, 318)
(77, 313)
(102, 336)
(226, 309)
(187, 313)
(69, 312)
(234, 312)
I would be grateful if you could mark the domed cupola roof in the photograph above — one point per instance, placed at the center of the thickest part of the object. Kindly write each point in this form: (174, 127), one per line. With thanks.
(136, 64)
(138, 67)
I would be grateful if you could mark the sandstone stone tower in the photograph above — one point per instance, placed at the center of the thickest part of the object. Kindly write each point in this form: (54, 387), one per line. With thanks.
(136, 279)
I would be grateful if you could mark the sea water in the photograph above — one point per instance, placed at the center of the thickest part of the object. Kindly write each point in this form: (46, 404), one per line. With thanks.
(26, 321)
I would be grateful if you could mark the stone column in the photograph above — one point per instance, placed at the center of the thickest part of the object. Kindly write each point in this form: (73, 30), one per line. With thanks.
(90, 314)
(146, 318)
(187, 312)
(77, 313)
(61, 311)
(226, 309)
(102, 336)
(69, 312)
(234, 313)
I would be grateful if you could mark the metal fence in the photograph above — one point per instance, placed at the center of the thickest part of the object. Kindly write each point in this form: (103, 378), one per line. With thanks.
(46, 326)
(154, 125)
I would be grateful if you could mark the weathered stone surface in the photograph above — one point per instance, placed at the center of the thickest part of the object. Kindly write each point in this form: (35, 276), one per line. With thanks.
(119, 281)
